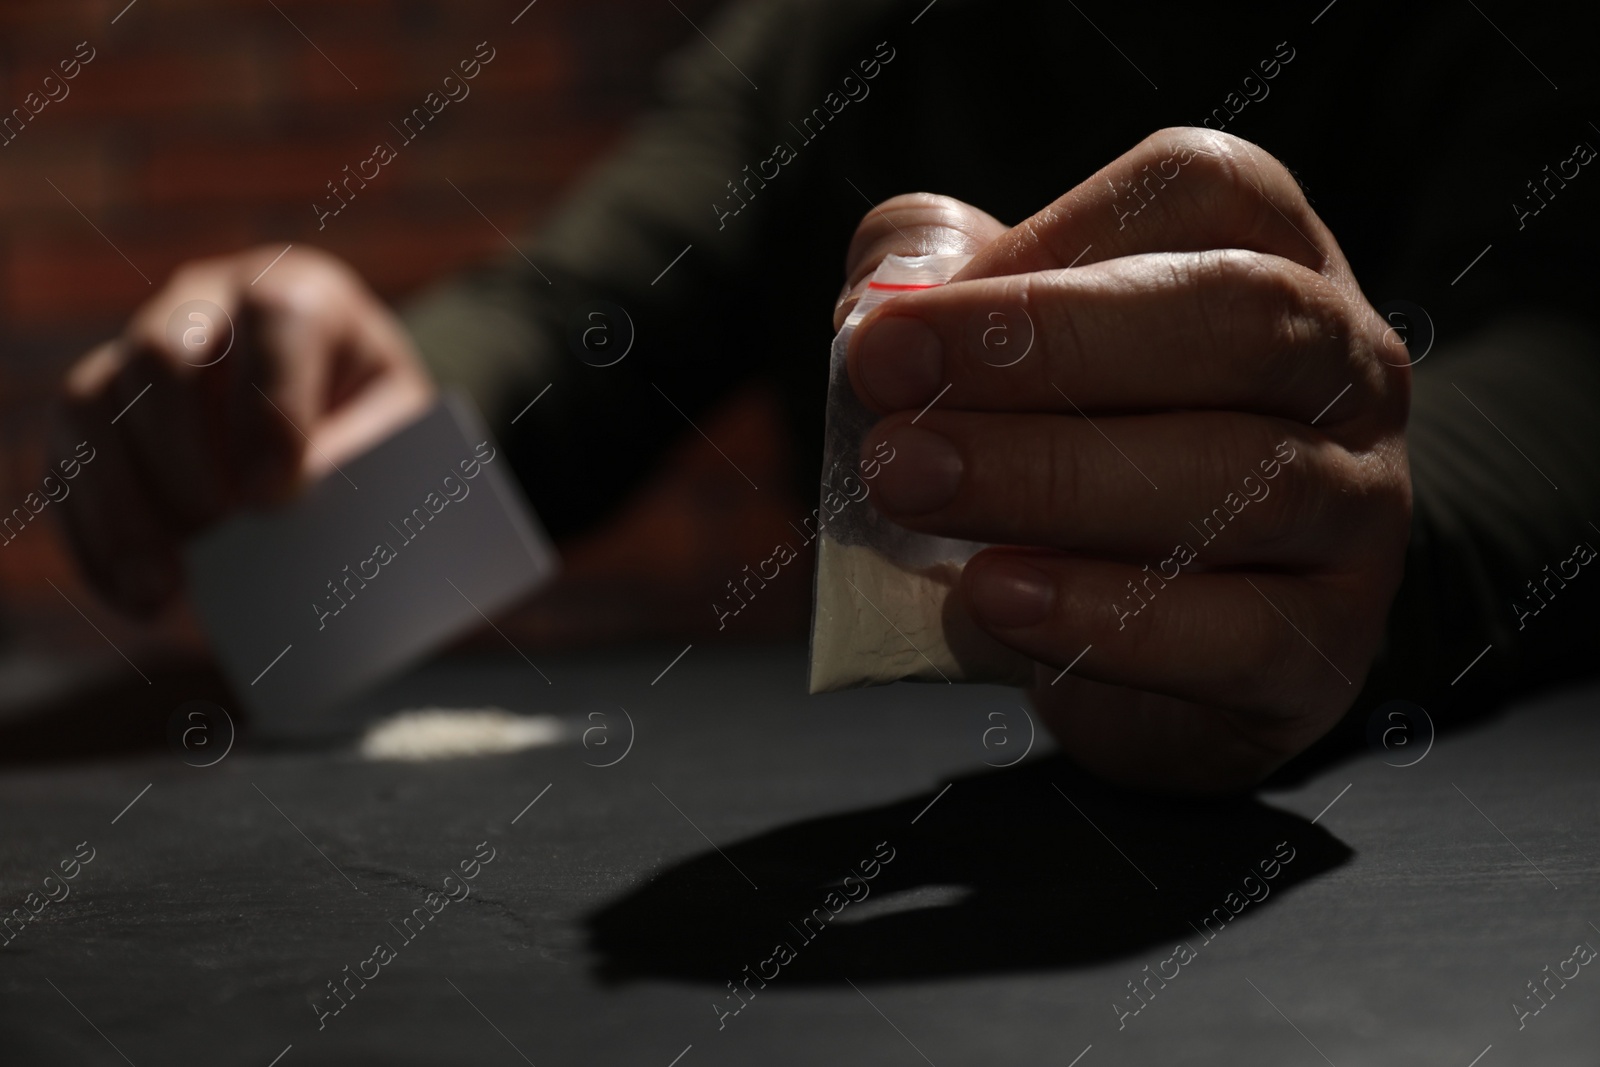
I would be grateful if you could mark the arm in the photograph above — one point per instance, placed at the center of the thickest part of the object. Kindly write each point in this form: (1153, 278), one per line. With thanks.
(1503, 440)
(698, 330)
(342, 372)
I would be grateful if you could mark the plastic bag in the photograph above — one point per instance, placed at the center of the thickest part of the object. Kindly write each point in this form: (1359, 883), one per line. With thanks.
(885, 606)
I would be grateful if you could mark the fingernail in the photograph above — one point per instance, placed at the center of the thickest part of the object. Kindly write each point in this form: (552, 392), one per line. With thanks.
(1007, 593)
(847, 302)
(901, 362)
(924, 475)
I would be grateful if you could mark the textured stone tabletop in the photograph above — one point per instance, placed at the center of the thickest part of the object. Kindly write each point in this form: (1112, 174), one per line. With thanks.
(929, 908)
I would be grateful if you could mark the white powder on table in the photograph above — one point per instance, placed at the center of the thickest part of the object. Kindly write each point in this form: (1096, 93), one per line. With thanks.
(876, 622)
(451, 733)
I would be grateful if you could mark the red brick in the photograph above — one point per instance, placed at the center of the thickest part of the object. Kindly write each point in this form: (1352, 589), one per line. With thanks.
(168, 86)
(83, 170)
(239, 172)
(74, 274)
(204, 127)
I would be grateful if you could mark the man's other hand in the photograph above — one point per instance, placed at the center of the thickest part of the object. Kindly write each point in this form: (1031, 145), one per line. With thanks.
(242, 379)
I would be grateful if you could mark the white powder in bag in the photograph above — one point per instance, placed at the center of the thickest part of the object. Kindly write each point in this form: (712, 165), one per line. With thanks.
(883, 609)
(876, 621)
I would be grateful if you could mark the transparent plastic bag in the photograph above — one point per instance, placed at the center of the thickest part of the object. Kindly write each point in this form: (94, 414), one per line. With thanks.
(885, 606)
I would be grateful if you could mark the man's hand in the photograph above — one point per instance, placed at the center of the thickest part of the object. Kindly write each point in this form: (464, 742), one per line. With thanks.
(1198, 469)
(193, 414)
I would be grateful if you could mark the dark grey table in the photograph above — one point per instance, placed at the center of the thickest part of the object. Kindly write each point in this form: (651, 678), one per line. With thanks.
(1016, 905)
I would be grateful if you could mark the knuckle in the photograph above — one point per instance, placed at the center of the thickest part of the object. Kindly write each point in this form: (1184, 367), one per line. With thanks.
(241, 268)
(1268, 652)
(316, 292)
(1237, 447)
(1275, 312)
(1375, 488)
(1055, 330)
(1296, 313)
(1223, 158)
(1048, 228)
(1254, 294)
(1301, 506)
(197, 274)
(1324, 496)
(1218, 158)
(1232, 177)
(1060, 482)
(1280, 499)
(1253, 276)
(302, 278)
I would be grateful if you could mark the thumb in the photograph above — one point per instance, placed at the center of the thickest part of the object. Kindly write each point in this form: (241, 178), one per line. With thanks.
(913, 224)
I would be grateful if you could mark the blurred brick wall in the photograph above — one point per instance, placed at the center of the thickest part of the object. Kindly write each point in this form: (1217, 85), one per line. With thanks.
(200, 127)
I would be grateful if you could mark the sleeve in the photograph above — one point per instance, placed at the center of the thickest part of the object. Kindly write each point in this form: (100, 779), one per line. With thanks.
(631, 313)
(1497, 243)
(1505, 465)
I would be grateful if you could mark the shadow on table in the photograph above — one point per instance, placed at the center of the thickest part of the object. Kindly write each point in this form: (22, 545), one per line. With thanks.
(1027, 868)
(107, 716)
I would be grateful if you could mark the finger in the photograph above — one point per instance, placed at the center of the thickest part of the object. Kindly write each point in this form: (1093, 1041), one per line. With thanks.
(1168, 489)
(384, 387)
(1225, 329)
(276, 396)
(119, 538)
(1148, 741)
(175, 321)
(913, 224)
(1179, 190)
(170, 435)
(1234, 640)
(199, 341)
